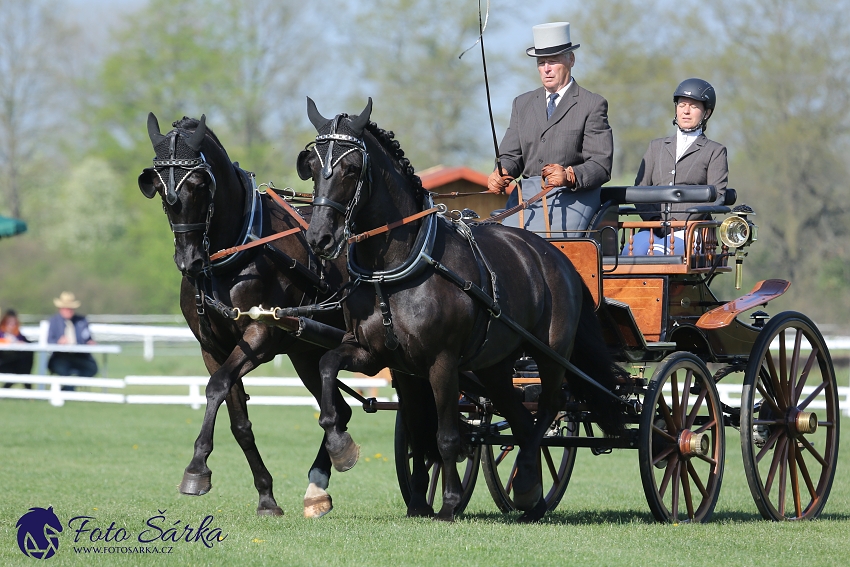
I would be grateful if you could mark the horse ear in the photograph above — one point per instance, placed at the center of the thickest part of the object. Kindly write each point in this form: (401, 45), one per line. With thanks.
(153, 129)
(359, 122)
(197, 138)
(146, 182)
(305, 172)
(314, 115)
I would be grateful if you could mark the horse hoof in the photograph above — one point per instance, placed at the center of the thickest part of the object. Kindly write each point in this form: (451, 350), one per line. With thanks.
(526, 501)
(535, 514)
(196, 484)
(345, 458)
(274, 511)
(446, 515)
(420, 512)
(317, 506)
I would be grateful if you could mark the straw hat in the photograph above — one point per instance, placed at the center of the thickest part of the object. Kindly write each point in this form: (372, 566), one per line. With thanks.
(66, 300)
(551, 39)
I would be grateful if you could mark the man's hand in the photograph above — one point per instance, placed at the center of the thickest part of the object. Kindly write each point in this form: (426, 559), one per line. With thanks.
(497, 183)
(555, 175)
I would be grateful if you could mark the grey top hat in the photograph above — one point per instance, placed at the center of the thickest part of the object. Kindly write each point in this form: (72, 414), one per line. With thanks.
(551, 39)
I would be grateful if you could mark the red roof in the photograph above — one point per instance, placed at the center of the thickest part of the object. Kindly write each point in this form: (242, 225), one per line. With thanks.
(435, 177)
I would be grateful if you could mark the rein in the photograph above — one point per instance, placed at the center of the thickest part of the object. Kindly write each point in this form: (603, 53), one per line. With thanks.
(388, 227)
(302, 226)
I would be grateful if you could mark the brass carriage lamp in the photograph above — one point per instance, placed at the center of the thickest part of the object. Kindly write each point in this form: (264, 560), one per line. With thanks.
(738, 231)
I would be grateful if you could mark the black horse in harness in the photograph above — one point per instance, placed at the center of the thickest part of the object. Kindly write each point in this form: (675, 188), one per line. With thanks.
(212, 204)
(433, 297)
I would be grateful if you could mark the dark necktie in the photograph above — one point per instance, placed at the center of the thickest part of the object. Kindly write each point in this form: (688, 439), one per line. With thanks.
(550, 108)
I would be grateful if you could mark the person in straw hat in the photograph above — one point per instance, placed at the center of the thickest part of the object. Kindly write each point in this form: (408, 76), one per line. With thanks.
(558, 137)
(68, 328)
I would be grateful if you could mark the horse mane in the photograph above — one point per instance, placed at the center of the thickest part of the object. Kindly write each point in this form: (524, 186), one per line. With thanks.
(187, 123)
(386, 138)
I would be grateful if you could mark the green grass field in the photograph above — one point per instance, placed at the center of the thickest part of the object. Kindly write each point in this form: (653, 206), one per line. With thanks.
(122, 464)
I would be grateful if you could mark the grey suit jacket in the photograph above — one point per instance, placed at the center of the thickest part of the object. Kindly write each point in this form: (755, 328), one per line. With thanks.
(576, 135)
(703, 163)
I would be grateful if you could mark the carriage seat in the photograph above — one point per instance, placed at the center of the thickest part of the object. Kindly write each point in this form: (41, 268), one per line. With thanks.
(616, 200)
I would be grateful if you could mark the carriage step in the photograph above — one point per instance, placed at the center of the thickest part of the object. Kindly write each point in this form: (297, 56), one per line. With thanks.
(661, 346)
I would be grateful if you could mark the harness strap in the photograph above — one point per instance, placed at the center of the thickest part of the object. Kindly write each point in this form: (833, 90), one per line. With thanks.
(252, 244)
(387, 227)
(517, 208)
(287, 207)
(479, 294)
(390, 339)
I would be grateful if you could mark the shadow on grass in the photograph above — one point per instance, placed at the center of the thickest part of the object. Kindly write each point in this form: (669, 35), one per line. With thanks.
(598, 517)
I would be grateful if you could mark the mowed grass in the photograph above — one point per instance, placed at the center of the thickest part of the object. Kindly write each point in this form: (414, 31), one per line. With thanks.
(122, 464)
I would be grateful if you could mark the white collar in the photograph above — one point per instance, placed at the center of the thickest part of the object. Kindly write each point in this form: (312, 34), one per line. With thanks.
(561, 92)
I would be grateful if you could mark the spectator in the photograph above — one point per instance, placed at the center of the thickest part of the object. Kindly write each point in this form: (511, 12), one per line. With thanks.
(13, 362)
(68, 328)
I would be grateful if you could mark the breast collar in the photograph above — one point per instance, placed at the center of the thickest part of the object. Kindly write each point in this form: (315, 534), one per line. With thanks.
(415, 262)
(252, 223)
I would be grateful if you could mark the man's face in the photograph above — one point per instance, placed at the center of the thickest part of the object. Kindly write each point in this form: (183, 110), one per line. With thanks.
(689, 112)
(66, 312)
(555, 70)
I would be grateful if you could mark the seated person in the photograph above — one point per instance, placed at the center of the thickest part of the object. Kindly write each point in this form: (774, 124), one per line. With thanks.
(14, 362)
(68, 328)
(559, 132)
(686, 158)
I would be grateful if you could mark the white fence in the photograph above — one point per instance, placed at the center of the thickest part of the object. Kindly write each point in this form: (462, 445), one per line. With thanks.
(50, 388)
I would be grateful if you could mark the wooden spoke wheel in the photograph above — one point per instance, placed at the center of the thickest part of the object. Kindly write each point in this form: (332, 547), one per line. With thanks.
(681, 441)
(404, 470)
(499, 466)
(790, 419)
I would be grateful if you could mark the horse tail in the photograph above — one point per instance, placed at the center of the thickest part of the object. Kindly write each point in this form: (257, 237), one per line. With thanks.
(591, 355)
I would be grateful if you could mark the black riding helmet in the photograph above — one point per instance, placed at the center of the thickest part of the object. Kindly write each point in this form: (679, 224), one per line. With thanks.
(700, 90)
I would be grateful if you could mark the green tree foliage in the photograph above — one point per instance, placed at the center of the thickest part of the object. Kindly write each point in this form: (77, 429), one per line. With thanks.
(633, 69)
(407, 61)
(785, 85)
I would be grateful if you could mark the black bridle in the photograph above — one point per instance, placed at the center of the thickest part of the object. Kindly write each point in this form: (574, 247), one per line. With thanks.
(351, 144)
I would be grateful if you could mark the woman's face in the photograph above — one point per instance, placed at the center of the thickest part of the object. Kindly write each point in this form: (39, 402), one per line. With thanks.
(10, 325)
(689, 112)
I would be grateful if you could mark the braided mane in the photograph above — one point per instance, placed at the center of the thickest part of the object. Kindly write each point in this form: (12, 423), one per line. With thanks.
(387, 140)
(187, 123)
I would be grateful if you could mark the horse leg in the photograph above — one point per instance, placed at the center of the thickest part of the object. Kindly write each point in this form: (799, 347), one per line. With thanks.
(443, 377)
(416, 407)
(498, 381)
(197, 476)
(317, 501)
(342, 449)
(241, 427)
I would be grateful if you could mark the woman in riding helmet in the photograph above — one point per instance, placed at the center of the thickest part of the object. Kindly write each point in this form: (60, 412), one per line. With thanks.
(687, 157)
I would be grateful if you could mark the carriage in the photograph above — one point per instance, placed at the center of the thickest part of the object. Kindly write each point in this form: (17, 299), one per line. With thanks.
(657, 315)
(659, 311)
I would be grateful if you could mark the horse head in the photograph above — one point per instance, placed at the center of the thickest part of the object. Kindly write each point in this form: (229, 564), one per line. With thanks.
(186, 183)
(338, 164)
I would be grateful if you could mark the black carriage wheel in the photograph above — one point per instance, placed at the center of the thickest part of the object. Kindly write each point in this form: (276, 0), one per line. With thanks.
(790, 419)
(404, 470)
(682, 441)
(498, 466)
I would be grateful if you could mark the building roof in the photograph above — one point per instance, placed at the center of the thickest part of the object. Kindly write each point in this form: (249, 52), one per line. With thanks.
(435, 177)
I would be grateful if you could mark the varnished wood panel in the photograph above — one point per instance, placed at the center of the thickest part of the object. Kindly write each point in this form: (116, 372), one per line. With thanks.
(645, 298)
(585, 257)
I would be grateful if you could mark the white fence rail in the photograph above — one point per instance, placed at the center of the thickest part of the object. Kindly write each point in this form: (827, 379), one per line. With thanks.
(50, 388)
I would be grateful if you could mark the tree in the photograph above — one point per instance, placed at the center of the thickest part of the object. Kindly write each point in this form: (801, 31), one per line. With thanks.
(431, 99)
(32, 36)
(786, 85)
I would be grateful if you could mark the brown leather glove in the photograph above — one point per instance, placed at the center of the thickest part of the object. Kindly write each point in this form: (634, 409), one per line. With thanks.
(496, 183)
(555, 175)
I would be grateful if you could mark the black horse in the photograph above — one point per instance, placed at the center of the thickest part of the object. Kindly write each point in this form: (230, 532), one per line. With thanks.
(405, 315)
(212, 204)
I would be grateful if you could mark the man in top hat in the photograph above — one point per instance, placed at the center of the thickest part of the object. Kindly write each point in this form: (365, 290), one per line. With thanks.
(559, 133)
(68, 328)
